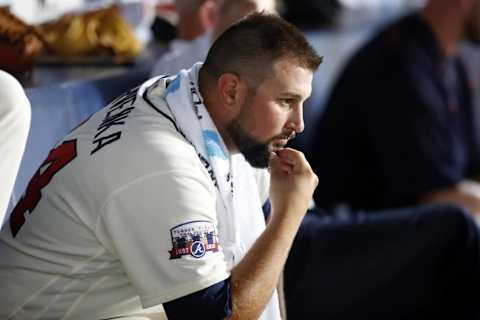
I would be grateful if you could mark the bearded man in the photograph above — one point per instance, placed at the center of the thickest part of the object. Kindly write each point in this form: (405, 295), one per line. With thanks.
(153, 208)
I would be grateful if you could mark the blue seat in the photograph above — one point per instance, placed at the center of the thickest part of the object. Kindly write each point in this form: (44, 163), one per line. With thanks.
(57, 109)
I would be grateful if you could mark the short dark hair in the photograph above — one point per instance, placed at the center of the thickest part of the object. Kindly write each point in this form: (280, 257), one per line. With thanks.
(251, 46)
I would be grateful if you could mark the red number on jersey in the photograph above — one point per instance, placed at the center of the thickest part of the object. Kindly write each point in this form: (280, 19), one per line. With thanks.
(57, 159)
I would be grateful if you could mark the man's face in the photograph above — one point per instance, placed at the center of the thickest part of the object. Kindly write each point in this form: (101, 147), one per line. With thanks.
(473, 23)
(273, 114)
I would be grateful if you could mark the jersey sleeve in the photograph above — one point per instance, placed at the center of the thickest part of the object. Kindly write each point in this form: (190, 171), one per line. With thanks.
(163, 229)
(214, 302)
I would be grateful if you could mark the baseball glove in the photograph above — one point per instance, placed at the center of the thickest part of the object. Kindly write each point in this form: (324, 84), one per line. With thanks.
(20, 43)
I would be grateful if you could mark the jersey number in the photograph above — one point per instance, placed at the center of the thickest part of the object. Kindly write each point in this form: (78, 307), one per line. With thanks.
(57, 159)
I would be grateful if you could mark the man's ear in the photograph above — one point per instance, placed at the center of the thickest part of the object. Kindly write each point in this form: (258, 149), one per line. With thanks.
(208, 14)
(232, 90)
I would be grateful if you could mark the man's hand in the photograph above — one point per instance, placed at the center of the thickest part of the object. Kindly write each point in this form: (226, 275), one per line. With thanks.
(256, 276)
(466, 194)
(292, 182)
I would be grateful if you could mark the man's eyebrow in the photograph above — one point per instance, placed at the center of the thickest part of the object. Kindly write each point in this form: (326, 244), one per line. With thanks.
(291, 95)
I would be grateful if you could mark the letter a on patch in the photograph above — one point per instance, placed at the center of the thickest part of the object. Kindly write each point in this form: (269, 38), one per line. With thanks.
(193, 238)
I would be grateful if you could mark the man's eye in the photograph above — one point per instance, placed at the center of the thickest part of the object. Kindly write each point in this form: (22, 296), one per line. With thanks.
(288, 103)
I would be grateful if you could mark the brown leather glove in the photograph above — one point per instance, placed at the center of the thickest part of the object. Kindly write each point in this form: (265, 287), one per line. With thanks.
(19, 43)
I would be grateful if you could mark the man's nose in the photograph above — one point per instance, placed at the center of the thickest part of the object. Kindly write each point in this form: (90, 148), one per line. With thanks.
(297, 123)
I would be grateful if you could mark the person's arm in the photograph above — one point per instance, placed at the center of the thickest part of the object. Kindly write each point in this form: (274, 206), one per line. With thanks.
(144, 241)
(465, 194)
(254, 279)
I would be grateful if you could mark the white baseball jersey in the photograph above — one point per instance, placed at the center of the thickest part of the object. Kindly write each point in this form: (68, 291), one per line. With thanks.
(15, 116)
(119, 219)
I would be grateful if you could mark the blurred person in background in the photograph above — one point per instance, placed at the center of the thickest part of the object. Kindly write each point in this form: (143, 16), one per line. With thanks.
(194, 22)
(213, 17)
(398, 129)
(195, 17)
(397, 132)
(14, 126)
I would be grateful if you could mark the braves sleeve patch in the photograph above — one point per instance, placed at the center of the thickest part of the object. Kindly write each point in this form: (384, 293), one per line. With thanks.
(193, 238)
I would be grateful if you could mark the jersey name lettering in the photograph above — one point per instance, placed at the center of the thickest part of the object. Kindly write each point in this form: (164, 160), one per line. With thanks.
(117, 113)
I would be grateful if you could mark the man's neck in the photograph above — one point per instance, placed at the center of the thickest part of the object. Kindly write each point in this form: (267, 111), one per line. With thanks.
(447, 25)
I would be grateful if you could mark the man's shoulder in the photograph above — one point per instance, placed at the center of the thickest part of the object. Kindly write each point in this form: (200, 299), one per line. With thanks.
(387, 46)
(139, 135)
(376, 68)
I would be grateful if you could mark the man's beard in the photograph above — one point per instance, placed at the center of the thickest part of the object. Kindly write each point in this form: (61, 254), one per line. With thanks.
(255, 152)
